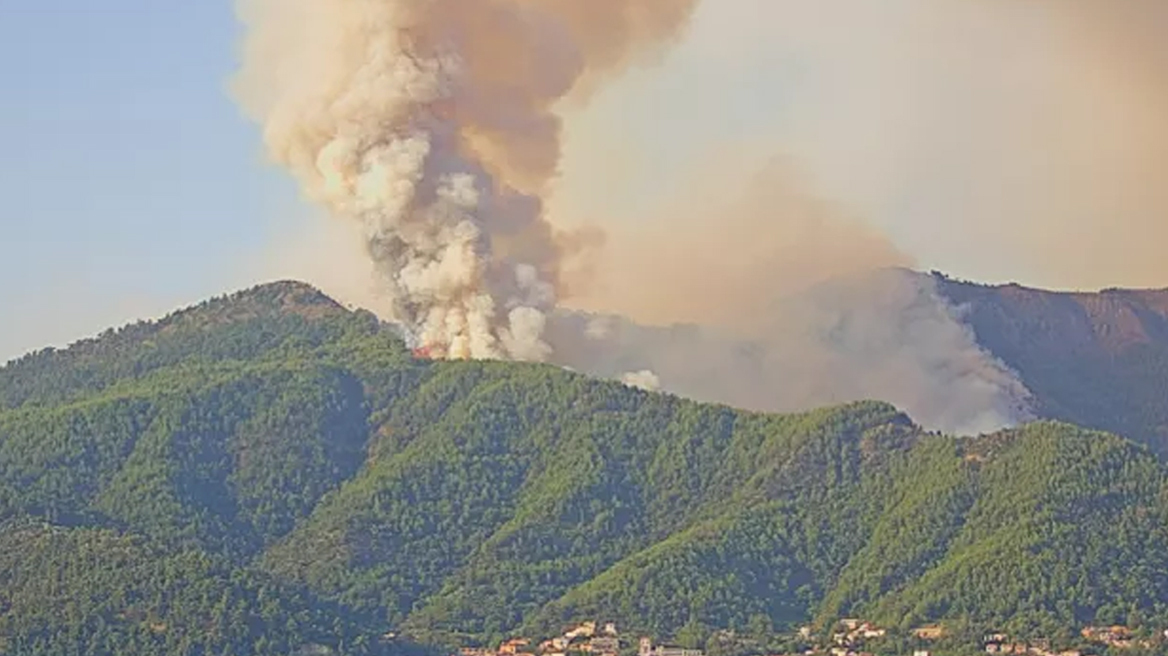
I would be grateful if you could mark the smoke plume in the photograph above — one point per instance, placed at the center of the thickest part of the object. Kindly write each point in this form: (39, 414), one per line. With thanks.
(431, 126)
(434, 128)
(885, 335)
(643, 379)
(779, 301)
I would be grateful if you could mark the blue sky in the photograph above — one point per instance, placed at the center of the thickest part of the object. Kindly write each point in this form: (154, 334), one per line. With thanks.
(130, 182)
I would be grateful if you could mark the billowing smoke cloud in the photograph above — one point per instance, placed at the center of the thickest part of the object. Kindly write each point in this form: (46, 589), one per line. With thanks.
(780, 302)
(885, 335)
(431, 126)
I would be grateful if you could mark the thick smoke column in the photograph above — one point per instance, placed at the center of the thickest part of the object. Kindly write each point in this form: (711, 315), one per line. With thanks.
(431, 126)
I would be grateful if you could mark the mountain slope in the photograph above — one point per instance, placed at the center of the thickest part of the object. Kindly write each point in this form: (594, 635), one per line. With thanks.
(1094, 359)
(97, 591)
(276, 451)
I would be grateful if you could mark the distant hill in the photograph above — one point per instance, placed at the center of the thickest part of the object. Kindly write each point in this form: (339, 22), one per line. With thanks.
(1095, 359)
(269, 470)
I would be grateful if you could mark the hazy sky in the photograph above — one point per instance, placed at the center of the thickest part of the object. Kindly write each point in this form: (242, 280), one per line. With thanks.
(993, 139)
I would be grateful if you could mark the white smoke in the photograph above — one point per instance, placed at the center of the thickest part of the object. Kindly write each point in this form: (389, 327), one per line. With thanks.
(644, 379)
(883, 335)
(430, 126)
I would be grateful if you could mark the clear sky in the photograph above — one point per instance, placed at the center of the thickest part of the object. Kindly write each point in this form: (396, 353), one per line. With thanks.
(130, 183)
(998, 141)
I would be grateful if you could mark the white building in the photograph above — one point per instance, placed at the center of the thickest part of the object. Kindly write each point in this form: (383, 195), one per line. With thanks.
(585, 630)
(647, 649)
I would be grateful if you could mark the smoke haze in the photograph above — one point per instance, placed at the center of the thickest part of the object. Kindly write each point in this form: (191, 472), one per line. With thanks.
(820, 147)
(778, 301)
(885, 335)
(724, 250)
(995, 139)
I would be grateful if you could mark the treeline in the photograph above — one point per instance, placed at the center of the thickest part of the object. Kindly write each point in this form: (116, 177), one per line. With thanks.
(96, 591)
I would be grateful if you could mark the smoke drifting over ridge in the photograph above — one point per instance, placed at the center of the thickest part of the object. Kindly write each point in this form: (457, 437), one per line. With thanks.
(430, 125)
(883, 335)
(778, 301)
(432, 128)
(731, 245)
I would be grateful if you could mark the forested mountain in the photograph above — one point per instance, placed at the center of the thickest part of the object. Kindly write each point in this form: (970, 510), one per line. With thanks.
(270, 471)
(1093, 359)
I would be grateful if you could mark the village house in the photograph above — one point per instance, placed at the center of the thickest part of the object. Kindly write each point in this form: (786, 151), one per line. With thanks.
(996, 637)
(514, 646)
(585, 630)
(930, 632)
(603, 645)
(647, 649)
(855, 632)
(1114, 636)
(554, 645)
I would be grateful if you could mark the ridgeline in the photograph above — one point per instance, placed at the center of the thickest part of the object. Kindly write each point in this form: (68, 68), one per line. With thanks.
(269, 471)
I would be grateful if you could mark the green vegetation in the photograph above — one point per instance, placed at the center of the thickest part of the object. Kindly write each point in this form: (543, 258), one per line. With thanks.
(95, 591)
(270, 471)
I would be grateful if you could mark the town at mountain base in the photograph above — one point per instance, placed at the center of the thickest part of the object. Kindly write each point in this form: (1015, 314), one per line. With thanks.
(846, 637)
(270, 473)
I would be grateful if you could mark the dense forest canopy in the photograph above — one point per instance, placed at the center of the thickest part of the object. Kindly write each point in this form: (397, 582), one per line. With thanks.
(270, 471)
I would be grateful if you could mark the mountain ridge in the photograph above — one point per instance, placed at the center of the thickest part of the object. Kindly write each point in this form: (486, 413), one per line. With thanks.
(290, 461)
(1094, 359)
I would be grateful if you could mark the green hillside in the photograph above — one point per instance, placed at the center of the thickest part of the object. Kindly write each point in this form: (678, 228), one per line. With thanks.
(269, 471)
